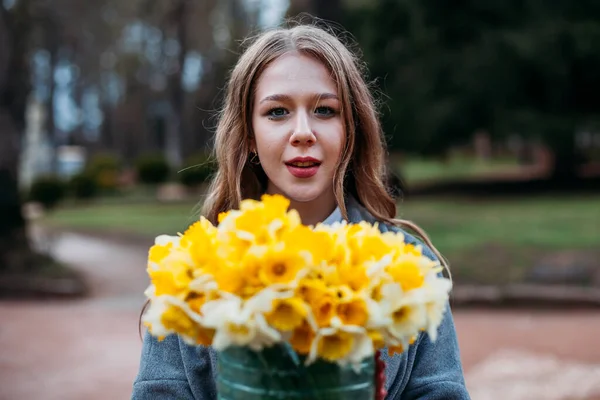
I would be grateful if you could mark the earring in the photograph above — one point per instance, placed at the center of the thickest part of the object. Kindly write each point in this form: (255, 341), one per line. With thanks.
(254, 158)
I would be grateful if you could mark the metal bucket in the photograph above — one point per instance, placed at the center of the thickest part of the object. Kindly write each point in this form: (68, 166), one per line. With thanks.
(278, 373)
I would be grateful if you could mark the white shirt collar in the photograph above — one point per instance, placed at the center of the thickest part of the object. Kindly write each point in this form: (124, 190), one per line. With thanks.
(335, 216)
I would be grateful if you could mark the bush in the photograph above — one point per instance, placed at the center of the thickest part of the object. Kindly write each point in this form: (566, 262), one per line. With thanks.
(47, 190)
(152, 169)
(197, 170)
(104, 170)
(83, 186)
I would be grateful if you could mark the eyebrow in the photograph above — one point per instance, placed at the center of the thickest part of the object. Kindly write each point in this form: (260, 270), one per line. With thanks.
(285, 97)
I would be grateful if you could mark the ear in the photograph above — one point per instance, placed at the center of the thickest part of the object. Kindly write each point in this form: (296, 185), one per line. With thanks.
(252, 145)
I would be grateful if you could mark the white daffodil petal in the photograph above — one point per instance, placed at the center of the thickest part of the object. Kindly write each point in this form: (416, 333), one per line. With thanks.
(194, 316)
(217, 312)
(244, 235)
(271, 334)
(163, 240)
(411, 318)
(434, 314)
(314, 347)
(262, 302)
(363, 348)
(274, 226)
(153, 317)
(221, 341)
(377, 267)
(203, 283)
(377, 319)
(150, 291)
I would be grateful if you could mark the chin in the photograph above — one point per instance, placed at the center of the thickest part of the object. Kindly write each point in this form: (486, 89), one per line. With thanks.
(303, 195)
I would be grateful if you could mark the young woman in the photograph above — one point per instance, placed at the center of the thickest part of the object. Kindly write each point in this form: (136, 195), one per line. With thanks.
(299, 120)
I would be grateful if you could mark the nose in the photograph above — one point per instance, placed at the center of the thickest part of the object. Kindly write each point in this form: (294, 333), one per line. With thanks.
(303, 134)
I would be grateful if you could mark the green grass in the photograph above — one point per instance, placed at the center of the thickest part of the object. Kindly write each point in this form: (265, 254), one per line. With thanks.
(147, 219)
(417, 170)
(499, 241)
(546, 222)
(485, 241)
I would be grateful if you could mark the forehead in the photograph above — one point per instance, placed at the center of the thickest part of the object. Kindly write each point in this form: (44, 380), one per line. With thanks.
(295, 73)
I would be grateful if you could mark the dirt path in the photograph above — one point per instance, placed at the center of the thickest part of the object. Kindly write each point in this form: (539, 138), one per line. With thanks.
(90, 349)
(530, 355)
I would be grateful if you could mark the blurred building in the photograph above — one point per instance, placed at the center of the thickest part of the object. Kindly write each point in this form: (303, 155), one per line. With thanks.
(70, 160)
(36, 153)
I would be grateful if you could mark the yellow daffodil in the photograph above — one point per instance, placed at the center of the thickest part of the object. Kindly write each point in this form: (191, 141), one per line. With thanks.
(353, 312)
(310, 288)
(199, 241)
(335, 246)
(176, 320)
(406, 318)
(302, 239)
(335, 292)
(368, 247)
(196, 300)
(233, 326)
(152, 318)
(401, 346)
(287, 314)
(376, 338)
(230, 278)
(335, 346)
(354, 276)
(398, 349)
(168, 314)
(407, 271)
(323, 308)
(172, 280)
(302, 338)
(279, 265)
(159, 252)
(435, 301)
(404, 311)
(342, 344)
(260, 222)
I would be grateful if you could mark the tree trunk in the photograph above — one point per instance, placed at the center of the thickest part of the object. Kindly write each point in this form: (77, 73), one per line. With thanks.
(179, 19)
(50, 123)
(567, 158)
(14, 246)
(330, 10)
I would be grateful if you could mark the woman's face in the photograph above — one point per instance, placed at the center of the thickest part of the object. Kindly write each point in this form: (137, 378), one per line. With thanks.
(298, 129)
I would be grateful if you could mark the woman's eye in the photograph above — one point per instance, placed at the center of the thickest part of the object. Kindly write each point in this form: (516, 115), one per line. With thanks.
(277, 112)
(324, 111)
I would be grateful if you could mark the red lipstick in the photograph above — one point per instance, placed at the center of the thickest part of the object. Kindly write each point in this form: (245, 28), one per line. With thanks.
(303, 167)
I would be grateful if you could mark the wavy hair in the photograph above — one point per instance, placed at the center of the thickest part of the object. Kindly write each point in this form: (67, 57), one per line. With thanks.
(362, 169)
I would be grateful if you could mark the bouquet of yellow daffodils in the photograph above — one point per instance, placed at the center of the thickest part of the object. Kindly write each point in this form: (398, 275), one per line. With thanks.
(260, 278)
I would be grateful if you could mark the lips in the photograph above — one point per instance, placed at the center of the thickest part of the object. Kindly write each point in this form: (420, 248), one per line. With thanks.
(303, 162)
(303, 167)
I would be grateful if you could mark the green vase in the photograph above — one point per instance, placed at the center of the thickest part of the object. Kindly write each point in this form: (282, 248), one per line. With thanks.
(278, 373)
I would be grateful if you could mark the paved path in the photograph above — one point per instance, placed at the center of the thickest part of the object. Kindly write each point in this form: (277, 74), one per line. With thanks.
(530, 355)
(89, 349)
(74, 350)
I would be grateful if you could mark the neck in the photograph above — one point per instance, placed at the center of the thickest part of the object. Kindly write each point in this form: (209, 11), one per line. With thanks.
(311, 213)
(314, 211)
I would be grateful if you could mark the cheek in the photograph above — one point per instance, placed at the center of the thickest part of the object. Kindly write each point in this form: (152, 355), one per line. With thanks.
(269, 142)
(261, 133)
(337, 140)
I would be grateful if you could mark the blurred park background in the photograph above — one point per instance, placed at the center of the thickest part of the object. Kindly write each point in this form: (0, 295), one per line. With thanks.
(491, 110)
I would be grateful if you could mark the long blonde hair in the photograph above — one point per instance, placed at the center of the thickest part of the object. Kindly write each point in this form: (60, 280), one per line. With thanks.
(362, 169)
